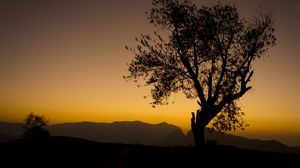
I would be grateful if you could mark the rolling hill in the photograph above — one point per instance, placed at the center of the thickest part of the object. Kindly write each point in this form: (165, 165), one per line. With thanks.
(58, 151)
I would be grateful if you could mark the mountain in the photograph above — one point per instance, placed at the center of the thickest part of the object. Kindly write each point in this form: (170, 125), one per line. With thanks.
(246, 143)
(6, 137)
(15, 129)
(130, 132)
(176, 138)
(136, 132)
(10, 131)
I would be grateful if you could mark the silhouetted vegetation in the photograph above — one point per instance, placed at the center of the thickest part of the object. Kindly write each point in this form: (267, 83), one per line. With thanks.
(205, 52)
(35, 127)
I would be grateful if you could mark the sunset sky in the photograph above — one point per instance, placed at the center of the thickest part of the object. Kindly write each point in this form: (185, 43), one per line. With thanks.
(66, 59)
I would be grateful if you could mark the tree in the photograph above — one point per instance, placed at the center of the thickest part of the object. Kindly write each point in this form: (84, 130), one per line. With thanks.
(35, 127)
(208, 55)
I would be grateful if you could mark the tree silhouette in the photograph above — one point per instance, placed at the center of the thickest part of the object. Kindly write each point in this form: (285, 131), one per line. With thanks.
(35, 127)
(208, 54)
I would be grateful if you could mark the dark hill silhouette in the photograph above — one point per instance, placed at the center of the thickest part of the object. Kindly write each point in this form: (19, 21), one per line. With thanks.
(75, 152)
(136, 132)
(6, 138)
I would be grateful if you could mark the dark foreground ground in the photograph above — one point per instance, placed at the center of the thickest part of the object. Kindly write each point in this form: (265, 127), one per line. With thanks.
(73, 152)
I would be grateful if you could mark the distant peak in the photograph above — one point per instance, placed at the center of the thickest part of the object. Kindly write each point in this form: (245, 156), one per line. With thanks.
(81, 122)
(135, 121)
(163, 123)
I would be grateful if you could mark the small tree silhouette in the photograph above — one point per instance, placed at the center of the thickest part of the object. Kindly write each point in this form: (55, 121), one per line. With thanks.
(35, 127)
(207, 54)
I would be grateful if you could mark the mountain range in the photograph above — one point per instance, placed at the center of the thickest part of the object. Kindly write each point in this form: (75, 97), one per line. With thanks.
(137, 132)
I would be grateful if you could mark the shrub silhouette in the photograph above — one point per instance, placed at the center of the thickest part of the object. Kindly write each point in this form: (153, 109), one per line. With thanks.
(35, 127)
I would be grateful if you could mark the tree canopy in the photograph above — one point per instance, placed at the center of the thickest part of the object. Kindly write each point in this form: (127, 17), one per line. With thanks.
(205, 52)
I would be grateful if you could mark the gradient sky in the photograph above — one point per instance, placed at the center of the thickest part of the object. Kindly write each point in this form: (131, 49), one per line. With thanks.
(66, 59)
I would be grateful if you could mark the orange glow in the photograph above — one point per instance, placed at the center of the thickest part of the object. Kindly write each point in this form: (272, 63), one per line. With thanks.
(67, 61)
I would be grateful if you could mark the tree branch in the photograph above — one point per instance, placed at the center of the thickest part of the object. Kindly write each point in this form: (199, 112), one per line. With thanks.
(249, 77)
(224, 61)
(198, 87)
(210, 81)
(190, 70)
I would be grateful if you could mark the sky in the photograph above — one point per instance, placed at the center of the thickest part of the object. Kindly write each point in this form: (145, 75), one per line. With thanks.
(65, 60)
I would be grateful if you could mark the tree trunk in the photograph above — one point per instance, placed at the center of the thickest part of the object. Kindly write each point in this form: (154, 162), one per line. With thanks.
(199, 138)
(198, 131)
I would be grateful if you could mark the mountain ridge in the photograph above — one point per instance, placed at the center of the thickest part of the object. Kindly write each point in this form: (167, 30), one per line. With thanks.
(138, 132)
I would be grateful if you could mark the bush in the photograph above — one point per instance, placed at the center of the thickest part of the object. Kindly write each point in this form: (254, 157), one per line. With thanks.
(35, 127)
